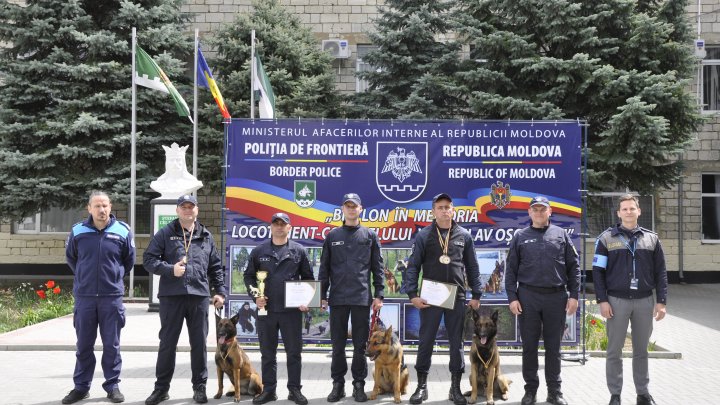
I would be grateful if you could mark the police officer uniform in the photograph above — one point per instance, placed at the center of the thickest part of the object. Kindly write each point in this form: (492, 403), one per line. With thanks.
(350, 256)
(99, 259)
(184, 298)
(542, 270)
(282, 263)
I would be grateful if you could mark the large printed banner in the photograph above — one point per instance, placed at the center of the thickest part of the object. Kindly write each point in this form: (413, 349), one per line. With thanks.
(491, 169)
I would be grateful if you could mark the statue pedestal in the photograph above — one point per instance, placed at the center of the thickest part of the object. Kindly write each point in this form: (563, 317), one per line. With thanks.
(163, 212)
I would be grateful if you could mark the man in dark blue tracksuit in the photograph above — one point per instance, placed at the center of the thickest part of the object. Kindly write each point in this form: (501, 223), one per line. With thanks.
(445, 252)
(542, 270)
(350, 256)
(100, 252)
(283, 260)
(183, 254)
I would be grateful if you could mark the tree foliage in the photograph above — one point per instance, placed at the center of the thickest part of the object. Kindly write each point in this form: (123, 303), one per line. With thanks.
(413, 67)
(65, 99)
(622, 65)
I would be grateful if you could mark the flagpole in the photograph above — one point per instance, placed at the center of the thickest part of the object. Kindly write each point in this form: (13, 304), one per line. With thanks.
(195, 108)
(252, 74)
(133, 158)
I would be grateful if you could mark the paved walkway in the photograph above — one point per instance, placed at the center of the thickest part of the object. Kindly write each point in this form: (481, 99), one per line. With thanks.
(36, 363)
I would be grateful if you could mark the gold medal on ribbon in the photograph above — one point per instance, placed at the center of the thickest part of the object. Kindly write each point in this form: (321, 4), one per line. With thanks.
(444, 244)
(187, 242)
(184, 259)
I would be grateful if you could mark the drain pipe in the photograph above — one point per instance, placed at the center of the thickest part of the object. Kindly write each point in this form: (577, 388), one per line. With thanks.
(681, 227)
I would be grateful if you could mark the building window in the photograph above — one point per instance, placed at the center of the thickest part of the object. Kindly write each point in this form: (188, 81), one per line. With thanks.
(602, 212)
(711, 79)
(57, 220)
(362, 85)
(710, 195)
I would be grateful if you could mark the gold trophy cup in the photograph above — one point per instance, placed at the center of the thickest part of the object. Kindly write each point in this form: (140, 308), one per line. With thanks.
(261, 276)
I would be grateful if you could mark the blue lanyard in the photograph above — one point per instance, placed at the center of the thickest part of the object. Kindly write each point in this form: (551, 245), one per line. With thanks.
(631, 250)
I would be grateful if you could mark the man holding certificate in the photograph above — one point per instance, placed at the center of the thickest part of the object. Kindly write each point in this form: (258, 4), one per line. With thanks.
(445, 254)
(350, 257)
(270, 266)
(542, 283)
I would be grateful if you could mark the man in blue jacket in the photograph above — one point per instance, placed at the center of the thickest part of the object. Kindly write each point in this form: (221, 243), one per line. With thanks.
(100, 252)
(183, 254)
(542, 283)
(444, 252)
(629, 264)
(350, 256)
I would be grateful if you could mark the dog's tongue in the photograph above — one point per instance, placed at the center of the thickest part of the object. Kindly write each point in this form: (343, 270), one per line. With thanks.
(483, 340)
(221, 340)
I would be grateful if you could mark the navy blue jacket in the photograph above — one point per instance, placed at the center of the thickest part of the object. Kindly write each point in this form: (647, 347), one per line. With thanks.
(293, 264)
(100, 258)
(542, 257)
(202, 271)
(613, 264)
(426, 253)
(350, 255)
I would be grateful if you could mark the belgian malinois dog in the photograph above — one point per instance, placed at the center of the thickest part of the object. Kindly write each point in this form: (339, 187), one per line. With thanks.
(230, 359)
(391, 373)
(485, 359)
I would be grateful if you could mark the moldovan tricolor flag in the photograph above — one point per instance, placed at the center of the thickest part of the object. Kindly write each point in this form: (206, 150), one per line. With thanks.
(263, 90)
(149, 74)
(205, 79)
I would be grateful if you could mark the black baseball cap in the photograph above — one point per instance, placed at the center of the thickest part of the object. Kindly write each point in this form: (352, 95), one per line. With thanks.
(187, 198)
(353, 198)
(539, 200)
(442, 196)
(281, 216)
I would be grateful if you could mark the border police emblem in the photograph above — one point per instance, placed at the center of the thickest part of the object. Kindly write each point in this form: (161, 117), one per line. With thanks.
(304, 193)
(500, 194)
(401, 170)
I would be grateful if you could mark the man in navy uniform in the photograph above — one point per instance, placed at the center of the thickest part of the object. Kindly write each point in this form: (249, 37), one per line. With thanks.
(183, 254)
(100, 252)
(445, 252)
(542, 270)
(350, 256)
(283, 260)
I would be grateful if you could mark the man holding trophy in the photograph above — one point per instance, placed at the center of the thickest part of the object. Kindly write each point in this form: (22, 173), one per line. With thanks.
(271, 264)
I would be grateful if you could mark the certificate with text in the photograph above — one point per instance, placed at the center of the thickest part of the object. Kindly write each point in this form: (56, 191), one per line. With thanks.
(438, 294)
(302, 292)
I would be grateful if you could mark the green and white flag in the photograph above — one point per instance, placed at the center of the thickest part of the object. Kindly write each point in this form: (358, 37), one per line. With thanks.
(148, 74)
(263, 91)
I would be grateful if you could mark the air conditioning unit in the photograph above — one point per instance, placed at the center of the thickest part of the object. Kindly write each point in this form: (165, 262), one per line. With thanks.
(337, 48)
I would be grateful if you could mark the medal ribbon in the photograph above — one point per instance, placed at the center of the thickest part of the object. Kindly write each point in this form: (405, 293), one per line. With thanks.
(188, 241)
(444, 244)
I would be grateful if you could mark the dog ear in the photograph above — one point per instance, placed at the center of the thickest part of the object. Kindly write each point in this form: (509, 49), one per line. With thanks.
(475, 313)
(235, 318)
(388, 333)
(494, 316)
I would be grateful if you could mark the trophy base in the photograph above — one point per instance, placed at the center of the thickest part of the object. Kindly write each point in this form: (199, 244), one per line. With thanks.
(262, 312)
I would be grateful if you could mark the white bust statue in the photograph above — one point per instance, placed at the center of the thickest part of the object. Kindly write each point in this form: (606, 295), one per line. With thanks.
(176, 180)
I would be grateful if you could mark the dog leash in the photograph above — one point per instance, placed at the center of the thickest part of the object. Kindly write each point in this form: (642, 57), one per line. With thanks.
(373, 322)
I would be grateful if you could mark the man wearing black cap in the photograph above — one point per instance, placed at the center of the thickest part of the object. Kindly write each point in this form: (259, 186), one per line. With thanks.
(542, 271)
(445, 252)
(282, 260)
(350, 256)
(183, 254)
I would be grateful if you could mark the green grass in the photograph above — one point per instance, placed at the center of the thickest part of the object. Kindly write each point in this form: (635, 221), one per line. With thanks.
(20, 305)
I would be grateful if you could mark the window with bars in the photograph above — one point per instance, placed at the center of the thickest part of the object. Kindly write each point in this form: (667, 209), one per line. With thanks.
(710, 79)
(361, 65)
(710, 196)
(58, 220)
(602, 212)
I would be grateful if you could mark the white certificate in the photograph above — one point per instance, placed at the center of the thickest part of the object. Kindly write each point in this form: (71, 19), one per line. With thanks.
(438, 294)
(302, 293)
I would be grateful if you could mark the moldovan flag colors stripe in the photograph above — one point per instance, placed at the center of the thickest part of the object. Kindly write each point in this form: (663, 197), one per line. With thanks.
(263, 90)
(149, 74)
(205, 79)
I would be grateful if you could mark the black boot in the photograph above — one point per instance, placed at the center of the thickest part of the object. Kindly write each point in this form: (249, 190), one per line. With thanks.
(455, 394)
(421, 393)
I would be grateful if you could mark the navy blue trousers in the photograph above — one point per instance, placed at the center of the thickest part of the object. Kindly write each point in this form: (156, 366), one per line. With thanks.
(193, 309)
(429, 324)
(89, 315)
(290, 326)
(541, 314)
(339, 316)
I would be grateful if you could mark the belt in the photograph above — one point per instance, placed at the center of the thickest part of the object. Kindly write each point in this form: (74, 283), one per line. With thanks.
(543, 290)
